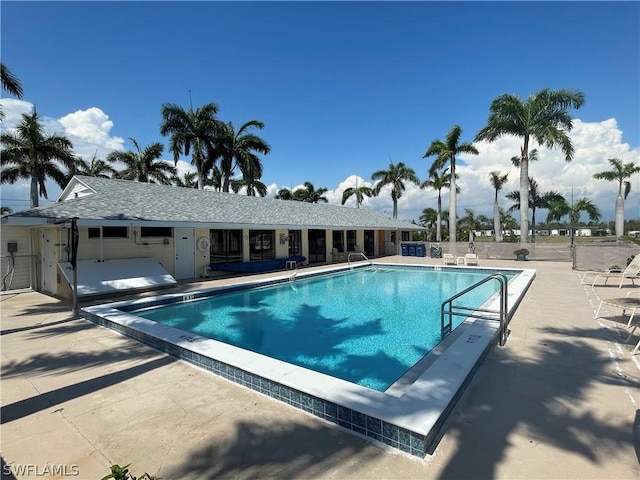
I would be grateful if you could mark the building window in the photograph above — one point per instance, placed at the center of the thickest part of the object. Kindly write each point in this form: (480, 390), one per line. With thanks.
(262, 245)
(295, 243)
(109, 232)
(226, 246)
(165, 232)
(338, 240)
(405, 236)
(351, 240)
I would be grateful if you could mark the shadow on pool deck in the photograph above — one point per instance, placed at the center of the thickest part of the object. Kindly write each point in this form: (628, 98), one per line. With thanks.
(558, 401)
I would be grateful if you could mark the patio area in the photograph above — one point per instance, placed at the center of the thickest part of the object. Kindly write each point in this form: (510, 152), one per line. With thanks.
(558, 401)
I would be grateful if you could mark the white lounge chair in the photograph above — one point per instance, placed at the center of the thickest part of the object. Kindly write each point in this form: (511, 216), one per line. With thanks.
(449, 258)
(626, 304)
(632, 272)
(337, 256)
(471, 259)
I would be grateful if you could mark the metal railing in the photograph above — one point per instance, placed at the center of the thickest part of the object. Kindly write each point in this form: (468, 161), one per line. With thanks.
(361, 254)
(447, 314)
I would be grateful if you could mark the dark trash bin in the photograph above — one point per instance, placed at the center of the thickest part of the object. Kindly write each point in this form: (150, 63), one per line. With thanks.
(412, 249)
(420, 250)
(405, 250)
(435, 251)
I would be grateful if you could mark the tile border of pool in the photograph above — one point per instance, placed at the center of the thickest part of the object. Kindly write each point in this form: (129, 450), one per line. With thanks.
(411, 422)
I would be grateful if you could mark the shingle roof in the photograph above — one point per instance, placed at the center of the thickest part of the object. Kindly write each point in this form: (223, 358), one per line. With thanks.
(114, 201)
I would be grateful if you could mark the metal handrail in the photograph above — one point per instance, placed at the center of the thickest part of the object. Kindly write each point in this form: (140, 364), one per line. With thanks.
(357, 253)
(445, 327)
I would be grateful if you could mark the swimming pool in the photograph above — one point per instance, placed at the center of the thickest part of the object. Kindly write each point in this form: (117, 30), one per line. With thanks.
(409, 415)
(367, 325)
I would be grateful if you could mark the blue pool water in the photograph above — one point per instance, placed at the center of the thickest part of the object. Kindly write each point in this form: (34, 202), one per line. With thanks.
(366, 326)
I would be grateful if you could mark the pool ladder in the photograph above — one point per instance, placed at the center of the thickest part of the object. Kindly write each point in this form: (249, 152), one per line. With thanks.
(360, 254)
(449, 310)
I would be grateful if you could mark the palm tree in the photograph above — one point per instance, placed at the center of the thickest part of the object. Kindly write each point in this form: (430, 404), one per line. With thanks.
(215, 180)
(30, 153)
(310, 194)
(189, 131)
(559, 208)
(236, 149)
(533, 157)
(188, 180)
(143, 165)
(428, 218)
(284, 194)
(542, 118)
(97, 168)
(473, 222)
(445, 153)
(395, 177)
(358, 192)
(536, 200)
(438, 181)
(254, 187)
(619, 173)
(10, 84)
(497, 180)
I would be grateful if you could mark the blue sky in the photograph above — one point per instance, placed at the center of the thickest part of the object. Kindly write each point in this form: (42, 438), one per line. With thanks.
(343, 88)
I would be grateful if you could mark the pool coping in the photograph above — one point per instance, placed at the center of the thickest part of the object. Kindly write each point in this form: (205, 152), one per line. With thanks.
(411, 422)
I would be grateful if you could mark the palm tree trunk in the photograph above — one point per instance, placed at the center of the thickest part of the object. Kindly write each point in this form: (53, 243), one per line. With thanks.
(452, 209)
(533, 224)
(439, 220)
(395, 208)
(33, 195)
(619, 216)
(524, 195)
(496, 222)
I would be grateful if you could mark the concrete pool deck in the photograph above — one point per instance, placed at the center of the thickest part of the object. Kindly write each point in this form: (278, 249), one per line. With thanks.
(558, 401)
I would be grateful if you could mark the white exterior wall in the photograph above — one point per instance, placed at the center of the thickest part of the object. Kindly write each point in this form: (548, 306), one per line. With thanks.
(131, 247)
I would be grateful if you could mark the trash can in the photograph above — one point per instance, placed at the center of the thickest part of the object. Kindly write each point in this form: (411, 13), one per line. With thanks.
(412, 249)
(420, 250)
(435, 251)
(405, 250)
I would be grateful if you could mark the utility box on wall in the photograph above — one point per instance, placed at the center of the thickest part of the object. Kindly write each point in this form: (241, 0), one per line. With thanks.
(12, 247)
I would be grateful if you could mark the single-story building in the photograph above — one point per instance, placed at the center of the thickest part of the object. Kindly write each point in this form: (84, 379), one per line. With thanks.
(165, 232)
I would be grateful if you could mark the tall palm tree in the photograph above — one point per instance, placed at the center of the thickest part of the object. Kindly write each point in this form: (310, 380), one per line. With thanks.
(446, 153)
(310, 194)
(284, 194)
(497, 180)
(536, 200)
(10, 84)
(619, 173)
(395, 177)
(359, 192)
(31, 154)
(188, 180)
(542, 118)
(237, 149)
(142, 165)
(438, 181)
(560, 207)
(192, 131)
